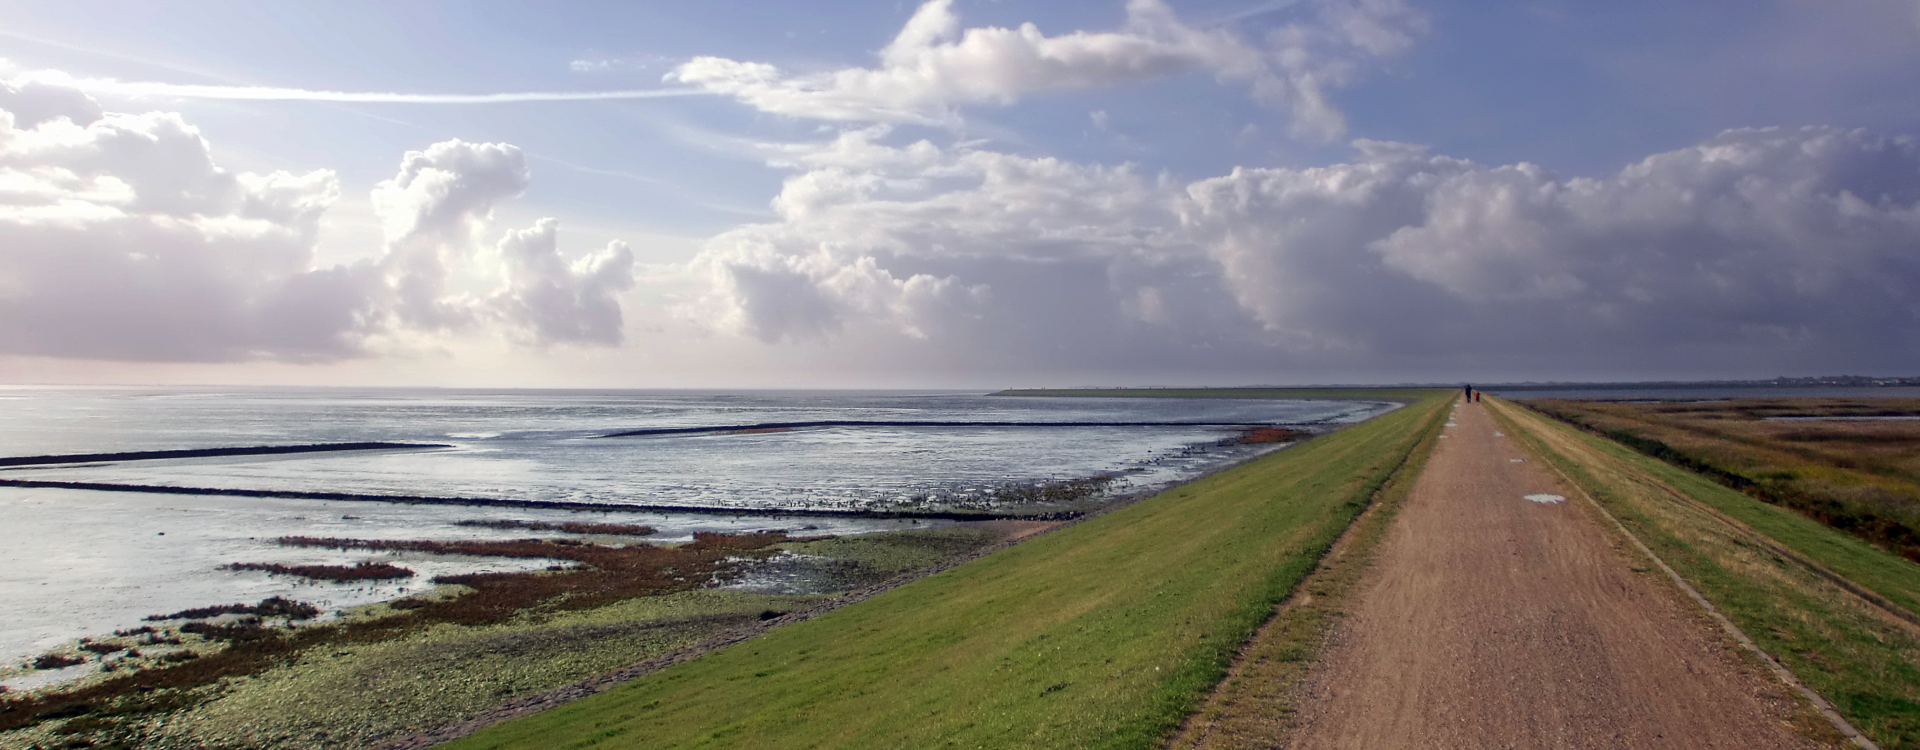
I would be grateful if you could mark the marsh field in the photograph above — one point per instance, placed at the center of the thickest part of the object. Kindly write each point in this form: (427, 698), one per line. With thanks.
(1782, 517)
(1852, 463)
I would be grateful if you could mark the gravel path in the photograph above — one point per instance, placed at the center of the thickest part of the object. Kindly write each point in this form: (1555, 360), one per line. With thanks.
(1491, 620)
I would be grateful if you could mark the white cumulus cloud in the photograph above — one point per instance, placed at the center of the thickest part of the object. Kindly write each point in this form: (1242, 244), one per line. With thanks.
(991, 256)
(1754, 241)
(122, 239)
(1757, 248)
(556, 301)
(934, 66)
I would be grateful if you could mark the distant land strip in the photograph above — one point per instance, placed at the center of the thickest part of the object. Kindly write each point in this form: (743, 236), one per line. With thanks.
(488, 502)
(1402, 394)
(261, 450)
(771, 426)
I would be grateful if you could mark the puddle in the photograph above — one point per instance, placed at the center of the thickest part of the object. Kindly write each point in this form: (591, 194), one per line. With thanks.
(1546, 499)
(1499, 434)
(42, 678)
(795, 573)
(1518, 460)
(1450, 424)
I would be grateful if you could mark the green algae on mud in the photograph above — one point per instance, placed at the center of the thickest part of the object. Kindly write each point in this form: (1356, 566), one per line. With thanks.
(116, 703)
(1103, 634)
(353, 695)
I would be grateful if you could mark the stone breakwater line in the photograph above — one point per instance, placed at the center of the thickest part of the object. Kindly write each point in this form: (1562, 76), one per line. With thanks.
(260, 450)
(775, 426)
(487, 502)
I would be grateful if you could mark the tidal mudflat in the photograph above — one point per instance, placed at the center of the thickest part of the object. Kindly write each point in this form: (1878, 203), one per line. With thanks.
(89, 563)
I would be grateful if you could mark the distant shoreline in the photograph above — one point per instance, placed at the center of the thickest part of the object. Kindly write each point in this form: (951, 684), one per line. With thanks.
(1402, 394)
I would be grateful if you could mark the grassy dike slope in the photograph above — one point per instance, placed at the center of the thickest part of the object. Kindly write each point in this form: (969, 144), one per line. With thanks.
(1859, 657)
(1102, 635)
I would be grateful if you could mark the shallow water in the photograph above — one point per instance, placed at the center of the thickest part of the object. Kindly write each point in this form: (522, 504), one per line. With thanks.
(79, 563)
(546, 446)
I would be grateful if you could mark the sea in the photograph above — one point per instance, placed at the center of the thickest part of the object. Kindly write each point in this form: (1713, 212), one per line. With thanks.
(85, 562)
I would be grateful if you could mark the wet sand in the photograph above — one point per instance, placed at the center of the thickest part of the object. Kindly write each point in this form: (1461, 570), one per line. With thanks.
(1495, 620)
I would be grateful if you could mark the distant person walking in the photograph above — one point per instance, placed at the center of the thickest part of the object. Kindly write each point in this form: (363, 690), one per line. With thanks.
(1469, 391)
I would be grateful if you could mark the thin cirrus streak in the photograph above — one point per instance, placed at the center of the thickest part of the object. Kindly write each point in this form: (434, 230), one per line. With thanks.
(271, 93)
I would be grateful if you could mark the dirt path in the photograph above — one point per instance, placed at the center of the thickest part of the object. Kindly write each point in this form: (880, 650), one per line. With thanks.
(1491, 621)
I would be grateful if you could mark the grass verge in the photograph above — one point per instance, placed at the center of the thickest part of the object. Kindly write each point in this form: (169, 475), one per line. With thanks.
(1861, 658)
(1253, 705)
(1860, 477)
(1102, 635)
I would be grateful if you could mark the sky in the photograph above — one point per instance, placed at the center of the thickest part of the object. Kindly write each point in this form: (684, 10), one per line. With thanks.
(957, 193)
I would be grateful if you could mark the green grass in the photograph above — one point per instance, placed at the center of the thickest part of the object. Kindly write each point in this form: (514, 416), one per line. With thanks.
(1256, 703)
(1102, 635)
(1385, 393)
(1866, 663)
(1878, 570)
(898, 551)
(1858, 477)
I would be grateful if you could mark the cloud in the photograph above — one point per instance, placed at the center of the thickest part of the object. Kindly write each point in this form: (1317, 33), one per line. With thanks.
(1755, 251)
(34, 103)
(1758, 242)
(933, 66)
(152, 89)
(604, 64)
(1769, 250)
(122, 239)
(989, 257)
(555, 301)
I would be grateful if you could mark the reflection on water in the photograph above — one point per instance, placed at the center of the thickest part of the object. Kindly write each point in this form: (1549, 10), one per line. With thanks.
(537, 446)
(80, 563)
(76, 563)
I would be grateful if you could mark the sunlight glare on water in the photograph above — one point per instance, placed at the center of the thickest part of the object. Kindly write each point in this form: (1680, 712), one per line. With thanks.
(80, 563)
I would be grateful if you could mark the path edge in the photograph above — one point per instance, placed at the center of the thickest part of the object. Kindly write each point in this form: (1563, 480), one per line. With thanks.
(1787, 676)
(1382, 507)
